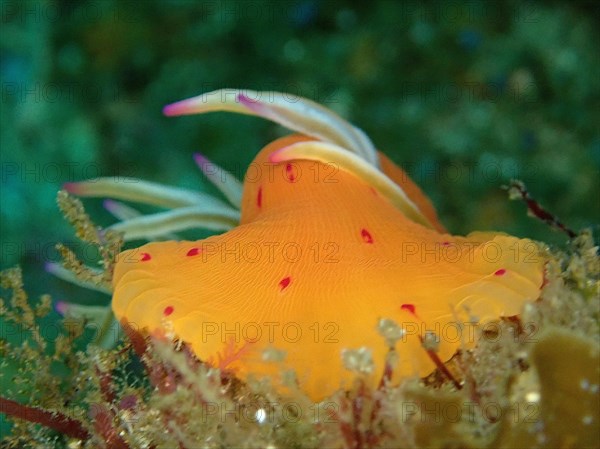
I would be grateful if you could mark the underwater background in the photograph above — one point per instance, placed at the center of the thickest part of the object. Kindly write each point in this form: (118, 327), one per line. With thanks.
(464, 95)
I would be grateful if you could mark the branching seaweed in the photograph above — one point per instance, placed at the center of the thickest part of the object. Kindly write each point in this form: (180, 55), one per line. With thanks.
(108, 242)
(512, 389)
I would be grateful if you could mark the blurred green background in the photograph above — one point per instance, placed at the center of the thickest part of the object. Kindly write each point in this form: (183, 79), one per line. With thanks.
(465, 95)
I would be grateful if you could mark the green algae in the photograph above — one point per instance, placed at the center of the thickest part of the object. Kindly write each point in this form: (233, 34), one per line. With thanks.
(532, 382)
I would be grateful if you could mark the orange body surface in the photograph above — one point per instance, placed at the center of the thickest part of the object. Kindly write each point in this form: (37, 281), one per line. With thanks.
(318, 259)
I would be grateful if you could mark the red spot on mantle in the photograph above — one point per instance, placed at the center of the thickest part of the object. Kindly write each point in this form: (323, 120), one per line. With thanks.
(285, 282)
(168, 310)
(193, 252)
(408, 307)
(145, 257)
(366, 236)
(500, 272)
(289, 170)
(259, 197)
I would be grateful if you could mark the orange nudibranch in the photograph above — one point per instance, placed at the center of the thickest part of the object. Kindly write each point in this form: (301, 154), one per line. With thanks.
(320, 256)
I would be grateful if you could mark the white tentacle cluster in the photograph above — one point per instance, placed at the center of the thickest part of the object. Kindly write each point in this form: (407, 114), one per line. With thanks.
(339, 143)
